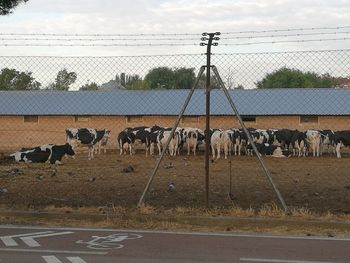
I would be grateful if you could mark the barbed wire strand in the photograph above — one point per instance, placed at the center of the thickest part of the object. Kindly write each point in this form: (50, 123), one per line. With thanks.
(287, 35)
(285, 41)
(100, 35)
(99, 45)
(175, 44)
(98, 39)
(170, 39)
(177, 34)
(285, 30)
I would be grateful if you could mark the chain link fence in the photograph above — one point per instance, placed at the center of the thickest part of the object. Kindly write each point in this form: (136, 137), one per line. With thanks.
(49, 100)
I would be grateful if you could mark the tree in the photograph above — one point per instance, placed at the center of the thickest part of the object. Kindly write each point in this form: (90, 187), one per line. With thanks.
(230, 76)
(63, 80)
(137, 84)
(167, 78)
(239, 86)
(129, 81)
(214, 82)
(11, 79)
(184, 78)
(293, 78)
(89, 86)
(160, 78)
(7, 6)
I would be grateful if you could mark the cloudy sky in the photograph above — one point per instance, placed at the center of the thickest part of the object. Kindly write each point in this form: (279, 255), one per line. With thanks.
(103, 17)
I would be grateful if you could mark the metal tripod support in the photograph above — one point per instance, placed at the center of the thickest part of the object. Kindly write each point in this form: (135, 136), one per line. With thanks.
(209, 37)
(189, 96)
(230, 100)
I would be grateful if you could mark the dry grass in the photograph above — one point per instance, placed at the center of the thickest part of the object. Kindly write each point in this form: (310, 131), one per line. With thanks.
(147, 210)
(270, 210)
(270, 219)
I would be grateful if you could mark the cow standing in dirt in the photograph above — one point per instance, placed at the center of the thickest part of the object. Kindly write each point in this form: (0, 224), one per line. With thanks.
(162, 138)
(313, 139)
(85, 137)
(342, 138)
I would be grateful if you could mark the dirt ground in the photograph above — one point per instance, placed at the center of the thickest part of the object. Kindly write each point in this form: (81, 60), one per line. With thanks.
(318, 184)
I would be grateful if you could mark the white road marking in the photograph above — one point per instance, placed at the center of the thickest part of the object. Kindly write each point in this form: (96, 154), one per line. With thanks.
(108, 242)
(51, 259)
(74, 252)
(76, 260)
(347, 238)
(10, 242)
(281, 260)
(29, 240)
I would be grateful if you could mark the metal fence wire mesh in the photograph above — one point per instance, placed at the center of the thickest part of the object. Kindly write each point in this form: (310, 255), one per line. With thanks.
(294, 104)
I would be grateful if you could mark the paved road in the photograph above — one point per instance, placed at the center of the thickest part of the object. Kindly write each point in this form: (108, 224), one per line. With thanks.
(76, 245)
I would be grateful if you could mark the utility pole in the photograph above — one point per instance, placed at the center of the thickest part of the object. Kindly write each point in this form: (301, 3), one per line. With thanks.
(205, 37)
(208, 37)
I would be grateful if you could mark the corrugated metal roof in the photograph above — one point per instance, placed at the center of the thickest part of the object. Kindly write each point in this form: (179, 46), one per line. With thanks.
(169, 102)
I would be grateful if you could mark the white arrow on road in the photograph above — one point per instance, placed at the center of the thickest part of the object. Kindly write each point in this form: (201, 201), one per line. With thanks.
(10, 242)
(28, 239)
(53, 259)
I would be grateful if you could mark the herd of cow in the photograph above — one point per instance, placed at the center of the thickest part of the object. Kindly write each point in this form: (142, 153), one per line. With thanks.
(274, 142)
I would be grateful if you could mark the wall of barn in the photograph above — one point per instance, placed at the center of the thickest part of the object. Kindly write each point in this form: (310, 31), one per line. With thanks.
(15, 133)
(335, 123)
(277, 122)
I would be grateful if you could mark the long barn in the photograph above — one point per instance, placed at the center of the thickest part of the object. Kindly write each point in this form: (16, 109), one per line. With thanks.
(30, 118)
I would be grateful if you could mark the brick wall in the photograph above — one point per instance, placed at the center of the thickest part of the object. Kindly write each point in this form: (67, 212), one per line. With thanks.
(15, 133)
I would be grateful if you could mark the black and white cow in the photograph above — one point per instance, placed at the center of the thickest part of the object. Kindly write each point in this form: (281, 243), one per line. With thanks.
(266, 149)
(258, 136)
(125, 141)
(327, 141)
(152, 135)
(236, 140)
(284, 138)
(85, 137)
(272, 136)
(342, 138)
(46, 153)
(102, 144)
(241, 138)
(201, 137)
(155, 131)
(191, 137)
(141, 136)
(299, 143)
(137, 136)
(220, 140)
(162, 138)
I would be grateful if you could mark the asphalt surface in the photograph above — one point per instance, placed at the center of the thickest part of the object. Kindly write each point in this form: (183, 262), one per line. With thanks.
(80, 245)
